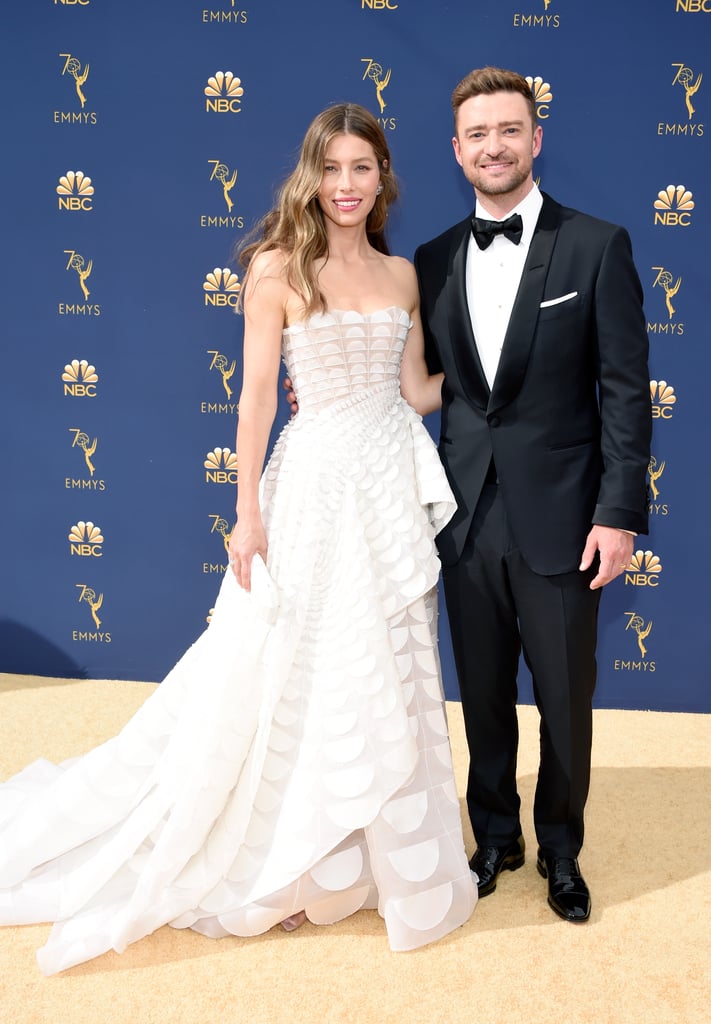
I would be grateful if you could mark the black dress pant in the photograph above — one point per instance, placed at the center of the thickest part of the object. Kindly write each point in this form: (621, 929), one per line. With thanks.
(498, 606)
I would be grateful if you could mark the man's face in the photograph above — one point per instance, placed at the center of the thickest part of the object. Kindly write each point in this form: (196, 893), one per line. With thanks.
(495, 144)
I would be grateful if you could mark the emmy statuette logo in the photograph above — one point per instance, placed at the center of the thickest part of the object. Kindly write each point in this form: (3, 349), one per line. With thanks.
(221, 527)
(94, 602)
(82, 441)
(665, 282)
(225, 179)
(640, 630)
(380, 79)
(654, 472)
(686, 79)
(72, 66)
(226, 369)
(83, 269)
(637, 624)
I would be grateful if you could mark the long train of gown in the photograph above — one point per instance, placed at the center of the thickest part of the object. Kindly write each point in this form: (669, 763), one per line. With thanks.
(297, 756)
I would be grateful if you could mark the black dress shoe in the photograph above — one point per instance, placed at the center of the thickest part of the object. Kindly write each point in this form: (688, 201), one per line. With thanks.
(489, 861)
(568, 894)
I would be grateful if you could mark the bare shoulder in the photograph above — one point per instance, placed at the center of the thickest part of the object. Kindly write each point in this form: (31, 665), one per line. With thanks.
(269, 264)
(266, 281)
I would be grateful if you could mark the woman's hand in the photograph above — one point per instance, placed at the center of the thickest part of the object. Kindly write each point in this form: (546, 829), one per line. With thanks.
(246, 540)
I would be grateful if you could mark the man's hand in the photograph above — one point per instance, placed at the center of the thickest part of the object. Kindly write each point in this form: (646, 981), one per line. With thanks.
(615, 547)
(290, 395)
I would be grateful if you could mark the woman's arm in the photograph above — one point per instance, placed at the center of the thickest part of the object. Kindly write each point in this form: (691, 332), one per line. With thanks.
(264, 314)
(419, 389)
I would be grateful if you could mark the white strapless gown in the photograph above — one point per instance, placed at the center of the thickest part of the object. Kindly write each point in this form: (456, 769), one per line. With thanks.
(297, 756)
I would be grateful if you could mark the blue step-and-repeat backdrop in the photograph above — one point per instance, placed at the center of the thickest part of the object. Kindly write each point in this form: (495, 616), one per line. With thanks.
(141, 140)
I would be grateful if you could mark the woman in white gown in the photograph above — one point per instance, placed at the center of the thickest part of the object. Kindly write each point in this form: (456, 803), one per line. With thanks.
(295, 763)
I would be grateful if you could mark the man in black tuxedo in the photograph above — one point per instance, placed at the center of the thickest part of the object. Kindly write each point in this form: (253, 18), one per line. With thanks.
(534, 313)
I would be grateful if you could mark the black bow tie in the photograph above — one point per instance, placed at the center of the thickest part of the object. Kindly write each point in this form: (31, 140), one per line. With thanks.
(484, 230)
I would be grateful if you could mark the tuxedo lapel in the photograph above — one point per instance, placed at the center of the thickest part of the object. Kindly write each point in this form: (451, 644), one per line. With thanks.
(471, 373)
(524, 315)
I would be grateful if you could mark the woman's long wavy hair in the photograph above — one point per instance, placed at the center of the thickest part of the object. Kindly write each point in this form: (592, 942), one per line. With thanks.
(296, 223)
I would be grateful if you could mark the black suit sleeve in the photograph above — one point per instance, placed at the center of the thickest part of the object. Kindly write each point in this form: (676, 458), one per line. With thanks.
(434, 363)
(623, 389)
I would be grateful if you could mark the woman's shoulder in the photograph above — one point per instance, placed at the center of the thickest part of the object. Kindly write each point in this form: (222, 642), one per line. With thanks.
(268, 263)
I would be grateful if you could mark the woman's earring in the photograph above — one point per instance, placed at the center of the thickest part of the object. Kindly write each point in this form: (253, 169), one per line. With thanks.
(379, 189)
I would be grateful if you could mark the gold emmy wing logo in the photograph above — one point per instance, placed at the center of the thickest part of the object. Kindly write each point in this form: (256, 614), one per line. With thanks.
(72, 66)
(636, 623)
(83, 441)
(685, 78)
(542, 96)
(221, 526)
(374, 72)
(224, 93)
(220, 363)
(221, 287)
(75, 191)
(665, 281)
(674, 205)
(221, 466)
(82, 268)
(221, 173)
(663, 398)
(88, 595)
(644, 569)
(85, 540)
(80, 379)
(655, 471)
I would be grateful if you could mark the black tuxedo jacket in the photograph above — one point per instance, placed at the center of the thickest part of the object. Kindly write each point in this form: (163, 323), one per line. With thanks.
(568, 420)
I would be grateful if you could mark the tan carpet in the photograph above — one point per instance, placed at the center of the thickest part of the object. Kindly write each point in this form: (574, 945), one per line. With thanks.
(643, 958)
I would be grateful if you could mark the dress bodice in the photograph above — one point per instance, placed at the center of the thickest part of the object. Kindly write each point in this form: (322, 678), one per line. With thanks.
(339, 353)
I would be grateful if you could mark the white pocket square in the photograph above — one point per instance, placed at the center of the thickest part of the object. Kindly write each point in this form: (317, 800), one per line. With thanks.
(554, 302)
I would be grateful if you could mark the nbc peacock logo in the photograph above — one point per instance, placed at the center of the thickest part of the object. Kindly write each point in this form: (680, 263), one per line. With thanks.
(221, 287)
(644, 570)
(80, 379)
(85, 540)
(75, 191)
(663, 399)
(223, 93)
(673, 206)
(542, 96)
(220, 466)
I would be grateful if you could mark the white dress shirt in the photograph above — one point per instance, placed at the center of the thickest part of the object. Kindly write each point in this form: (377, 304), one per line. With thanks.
(493, 276)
